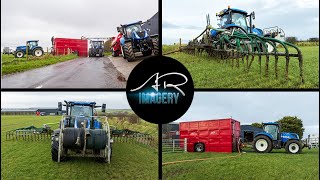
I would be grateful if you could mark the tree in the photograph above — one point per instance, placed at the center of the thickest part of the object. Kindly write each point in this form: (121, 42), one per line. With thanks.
(313, 39)
(292, 124)
(258, 125)
(292, 40)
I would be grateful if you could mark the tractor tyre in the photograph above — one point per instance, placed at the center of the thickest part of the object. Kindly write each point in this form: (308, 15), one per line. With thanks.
(128, 51)
(19, 54)
(155, 44)
(293, 147)
(115, 53)
(55, 150)
(199, 147)
(262, 144)
(38, 52)
(147, 53)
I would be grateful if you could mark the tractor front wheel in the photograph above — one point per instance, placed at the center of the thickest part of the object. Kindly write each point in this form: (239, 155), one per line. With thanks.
(262, 144)
(38, 52)
(19, 54)
(293, 147)
(128, 51)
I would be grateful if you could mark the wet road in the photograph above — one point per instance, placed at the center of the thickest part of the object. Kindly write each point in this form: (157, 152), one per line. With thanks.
(79, 73)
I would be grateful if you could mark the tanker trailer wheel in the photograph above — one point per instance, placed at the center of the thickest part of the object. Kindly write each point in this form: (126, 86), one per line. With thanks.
(199, 147)
(115, 53)
(293, 147)
(38, 52)
(128, 51)
(19, 54)
(155, 44)
(262, 144)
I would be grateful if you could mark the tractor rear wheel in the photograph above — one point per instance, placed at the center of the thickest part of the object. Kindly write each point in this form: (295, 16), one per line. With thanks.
(38, 52)
(199, 147)
(155, 44)
(128, 51)
(19, 54)
(262, 144)
(293, 147)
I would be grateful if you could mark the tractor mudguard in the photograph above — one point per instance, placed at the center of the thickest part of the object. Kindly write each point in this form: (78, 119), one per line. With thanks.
(265, 134)
(123, 41)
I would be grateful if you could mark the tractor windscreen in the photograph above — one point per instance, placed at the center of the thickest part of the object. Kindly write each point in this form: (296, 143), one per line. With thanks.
(273, 130)
(239, 20)
(97, 44)
(81, 111)
(131, 28)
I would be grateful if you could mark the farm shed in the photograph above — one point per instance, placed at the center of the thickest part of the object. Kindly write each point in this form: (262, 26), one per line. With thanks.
(66, 45)
(218, 135)
(170, 131)
(154, 24)
(18, 111)
(248, 132)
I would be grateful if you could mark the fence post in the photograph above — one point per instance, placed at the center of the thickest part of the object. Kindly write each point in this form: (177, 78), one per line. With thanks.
(47, 51)
(173, 145)
(179, 42)
(27, 49)
(185, 144)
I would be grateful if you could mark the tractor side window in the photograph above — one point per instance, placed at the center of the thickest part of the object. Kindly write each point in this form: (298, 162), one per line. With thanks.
(273, 130)
(224, 20)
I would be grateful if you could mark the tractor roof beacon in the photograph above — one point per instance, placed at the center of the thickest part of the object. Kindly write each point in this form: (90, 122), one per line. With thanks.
(273, 138)
(136, 39)
(33, 49)
(81, 133)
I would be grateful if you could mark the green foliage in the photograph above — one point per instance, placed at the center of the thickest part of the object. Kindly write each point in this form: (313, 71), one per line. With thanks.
(254, 166)
(32, 159)
(258, 125)
(208, 72)
(13, 65)
(292, 124)
(292, 40)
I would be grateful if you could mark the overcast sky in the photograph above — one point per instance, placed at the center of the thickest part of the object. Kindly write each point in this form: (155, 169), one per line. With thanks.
(42, 19)
(298, 18)
(246, 107)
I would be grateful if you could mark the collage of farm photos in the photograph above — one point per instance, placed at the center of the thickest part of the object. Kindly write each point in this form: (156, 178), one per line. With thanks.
(160, 89)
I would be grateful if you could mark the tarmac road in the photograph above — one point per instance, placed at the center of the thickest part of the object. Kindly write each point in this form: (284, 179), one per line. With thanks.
(92, 72)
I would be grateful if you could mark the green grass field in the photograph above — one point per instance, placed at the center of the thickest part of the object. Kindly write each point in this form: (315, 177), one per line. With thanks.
(32, 160)
(275, 165)
(207, 72)
(10, 64)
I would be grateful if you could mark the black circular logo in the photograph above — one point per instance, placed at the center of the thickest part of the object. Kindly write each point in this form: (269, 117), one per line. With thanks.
(160, 89)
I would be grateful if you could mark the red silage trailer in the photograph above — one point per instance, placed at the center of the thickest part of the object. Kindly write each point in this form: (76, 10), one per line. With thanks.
(63, 45)
(220, 135)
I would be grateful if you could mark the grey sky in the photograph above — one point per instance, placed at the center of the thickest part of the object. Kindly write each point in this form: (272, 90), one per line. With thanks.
(247, 107)
(41, 19)
(187, 18)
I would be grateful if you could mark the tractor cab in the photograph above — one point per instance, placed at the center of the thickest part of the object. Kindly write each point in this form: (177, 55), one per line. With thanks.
(97, 44)
(78, 112)
(235, 18)
(32, 43)
(273, 129)
(134, 30)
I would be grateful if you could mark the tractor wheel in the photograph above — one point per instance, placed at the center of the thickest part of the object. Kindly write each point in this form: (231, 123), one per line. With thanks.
(38, 52)
(55, 150)
(155, 44)
(147, 53)
(199, 147)
(115, 53)
(19, 54)
(262, 144)
(128, 51)
(293, 147)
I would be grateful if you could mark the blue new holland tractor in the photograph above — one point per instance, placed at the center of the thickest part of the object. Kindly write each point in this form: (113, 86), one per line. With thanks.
(273, 138)
(136, 39)
(81, 133)
(33, 49)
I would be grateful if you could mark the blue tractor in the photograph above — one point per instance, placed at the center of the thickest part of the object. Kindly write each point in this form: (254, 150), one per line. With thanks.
(81, 133)
(273, 138)
(33, 49)
(136, 39)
